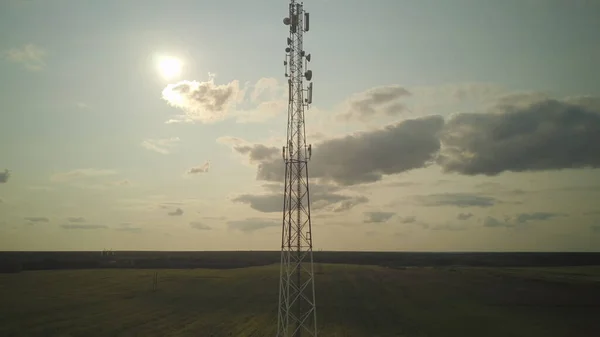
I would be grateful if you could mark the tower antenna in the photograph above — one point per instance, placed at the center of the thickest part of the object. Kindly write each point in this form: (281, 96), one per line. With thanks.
(297, 314)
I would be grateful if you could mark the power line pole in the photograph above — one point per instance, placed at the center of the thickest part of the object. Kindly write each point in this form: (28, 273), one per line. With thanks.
(297, 315)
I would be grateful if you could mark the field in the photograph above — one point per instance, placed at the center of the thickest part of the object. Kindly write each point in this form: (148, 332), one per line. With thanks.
(353, 300)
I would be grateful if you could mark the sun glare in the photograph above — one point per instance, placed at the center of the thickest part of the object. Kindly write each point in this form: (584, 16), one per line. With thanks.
(170, 68)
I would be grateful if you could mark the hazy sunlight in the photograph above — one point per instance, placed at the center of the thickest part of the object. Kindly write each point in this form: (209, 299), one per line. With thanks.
(170, 68)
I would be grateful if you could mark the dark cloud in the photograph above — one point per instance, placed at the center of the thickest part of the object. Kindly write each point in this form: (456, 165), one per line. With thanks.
(199, 169)
(268, 203)
(257, 152)
(520, 219)
(448, 227)
(83, 226)
(201, 101)
(456, 199)
(76, 219)
(464, 216)
(377, 217)
(323, 197)
(252, 224)
(4, 176)
(520, 132)
(37, 219)
(199, 225)
(400, 184)
(493, 222)
(595, 228)
(537, 216)
(176, 212)
(384, 99)
(545, 135)
(367, 156)
(408, 219)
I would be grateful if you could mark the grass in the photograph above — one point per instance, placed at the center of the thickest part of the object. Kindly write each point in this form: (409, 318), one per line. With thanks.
(352, 301)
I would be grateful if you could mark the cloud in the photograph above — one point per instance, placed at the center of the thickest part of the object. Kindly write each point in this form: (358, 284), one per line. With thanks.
(162, 146)
(4, 176)
(83, 226)
(37, 219)
(362, 157)
(464, 216)
(176, 212)
(456, 199)
(263, 111)
(377, 217)
(348, 204)
(252, 224)
(123, 182)
(493, 222)
(266, 89)
(522, 135)
(128, 227)
(256, 153)
(203, 102)
(375, 101)
(595, 228)
(519, 132)
(407, 220)
(82, 105)
(323, 197)
(199, 169)
(537, 216)
(448, 227)
(76, 219)
(81, 174)
(30, 56)
(199, 225)
(520, 219)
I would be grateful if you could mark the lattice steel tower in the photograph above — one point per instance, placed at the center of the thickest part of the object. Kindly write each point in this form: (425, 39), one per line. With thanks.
(297, 315)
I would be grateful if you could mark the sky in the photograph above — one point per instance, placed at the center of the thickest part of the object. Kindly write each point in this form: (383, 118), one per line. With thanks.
(463, 125)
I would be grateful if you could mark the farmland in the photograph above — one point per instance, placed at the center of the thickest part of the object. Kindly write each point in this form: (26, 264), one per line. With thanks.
(353, 300)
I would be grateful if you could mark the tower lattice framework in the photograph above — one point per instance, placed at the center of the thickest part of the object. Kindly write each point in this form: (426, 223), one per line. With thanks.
(297, 315)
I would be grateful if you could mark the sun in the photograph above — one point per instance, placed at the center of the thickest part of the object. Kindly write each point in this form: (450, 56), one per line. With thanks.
(170, 67)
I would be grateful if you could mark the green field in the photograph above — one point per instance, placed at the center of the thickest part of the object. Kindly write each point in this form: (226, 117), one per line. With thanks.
(352, 301)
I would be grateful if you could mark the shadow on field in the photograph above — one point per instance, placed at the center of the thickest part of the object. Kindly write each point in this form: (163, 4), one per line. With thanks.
(351, 301)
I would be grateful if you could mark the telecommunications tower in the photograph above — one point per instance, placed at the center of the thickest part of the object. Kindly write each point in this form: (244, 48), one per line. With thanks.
(297, 315)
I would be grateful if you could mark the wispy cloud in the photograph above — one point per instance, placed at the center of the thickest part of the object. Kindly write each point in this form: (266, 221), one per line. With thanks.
(30, 56)
(377, 217)
(162, 146)
(81, 174)
(83, 226)
(128, 227)
(176, 212)
(199, 226)
(252, 224)
(456, 199)
(199, 169)
(37, 219)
